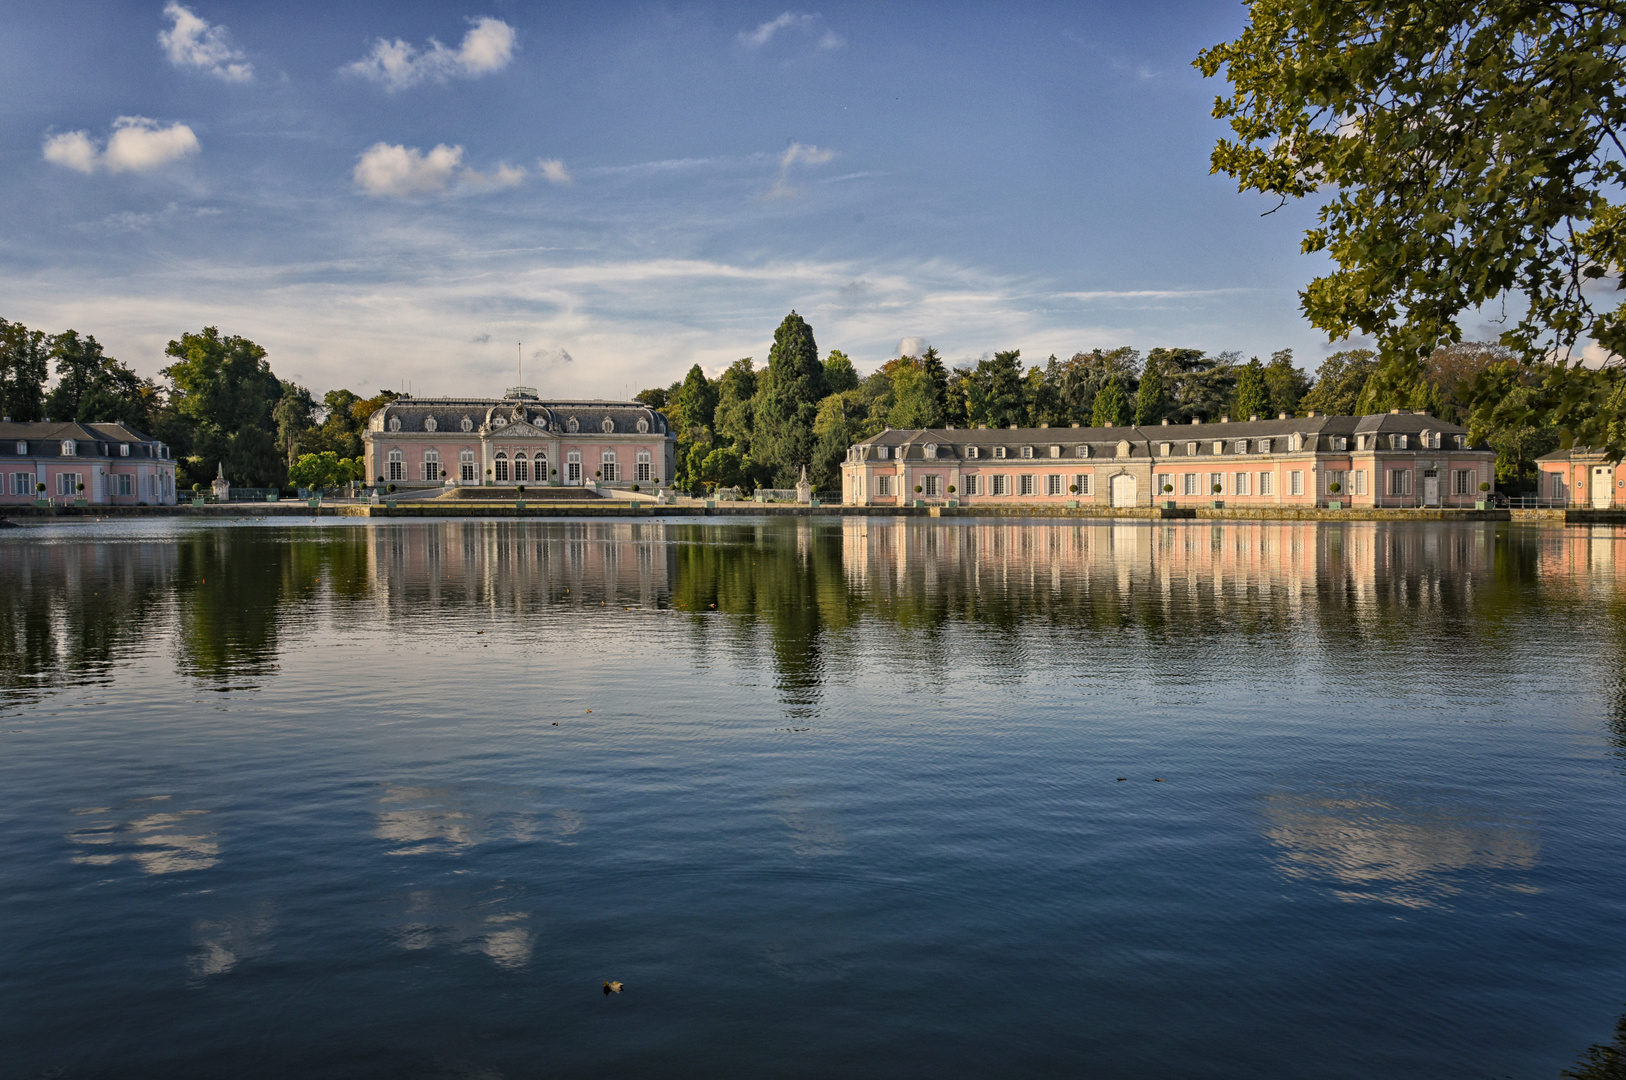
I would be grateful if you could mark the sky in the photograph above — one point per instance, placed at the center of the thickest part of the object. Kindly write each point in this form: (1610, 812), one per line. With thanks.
(425, 196)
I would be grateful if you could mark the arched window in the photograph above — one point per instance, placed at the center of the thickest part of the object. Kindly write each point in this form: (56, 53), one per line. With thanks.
(541, 466)
(500, 467)
(643, 425)
(607, 426)
(429, 423)
(608, 467)
(395, 423)
(465, 465)
(397, 466)
(468, 425)
(573, 426)
(522, 468)
(643, 476)
(573, 466)
(431, 464)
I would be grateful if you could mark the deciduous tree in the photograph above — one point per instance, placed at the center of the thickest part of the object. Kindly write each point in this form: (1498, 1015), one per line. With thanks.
(24, 367)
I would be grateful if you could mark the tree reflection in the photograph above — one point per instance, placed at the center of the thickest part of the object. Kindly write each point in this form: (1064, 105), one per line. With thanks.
(1602, 1061)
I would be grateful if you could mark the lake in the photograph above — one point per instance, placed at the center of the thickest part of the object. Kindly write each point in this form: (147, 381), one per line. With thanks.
(831, 797)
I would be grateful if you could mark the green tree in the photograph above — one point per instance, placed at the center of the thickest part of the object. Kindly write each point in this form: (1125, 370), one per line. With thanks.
(1200, 387)
(1473, 157)
(932, 365)
(787, 400)
(839, 373)
(1111, 406)
(294, 415)
(1151, 402)
(655, 397)
(695, 404)
(736, 405)
(1517, 449)
(840, 423)
(914, 398)
(92, 386)
(318, 471)
(24, 366)
(225, 387)
(1286, 383)
(1339, 384)
(721, 468)
(1252, 394)
(995, 394)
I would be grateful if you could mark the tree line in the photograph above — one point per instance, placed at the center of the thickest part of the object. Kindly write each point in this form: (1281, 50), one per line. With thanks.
(759, 428)
(219, 405)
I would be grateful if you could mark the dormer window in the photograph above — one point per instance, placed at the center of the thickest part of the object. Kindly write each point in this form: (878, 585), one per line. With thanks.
(124, 449)
(468, 425)
(1397, 442)
(883, 452)
(607, 426)
(1264, 446)
(1055, 451)
(643, 426)
(1219, 446)
(931, 451)
(499, 421)
(1242, 446)
(971, 452)
(1191, 449)
(1460, 442)
(69, 448)
(1340, 443)
(1166, 449)
(22, 448)
(395, 423)
(1083, 450)
(429, 423)
(999, 451)
(573, 425)
(1027, 451)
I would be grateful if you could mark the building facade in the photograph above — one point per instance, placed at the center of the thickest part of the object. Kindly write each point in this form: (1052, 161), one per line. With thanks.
(1581, 477)
(1396, 459)
(518, 439)
(101, 464)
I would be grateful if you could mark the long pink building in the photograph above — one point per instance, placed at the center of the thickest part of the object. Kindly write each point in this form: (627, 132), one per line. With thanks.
(1395, 459)
(518, 439)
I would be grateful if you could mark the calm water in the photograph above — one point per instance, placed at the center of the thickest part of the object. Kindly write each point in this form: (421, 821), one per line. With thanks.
(875, 800)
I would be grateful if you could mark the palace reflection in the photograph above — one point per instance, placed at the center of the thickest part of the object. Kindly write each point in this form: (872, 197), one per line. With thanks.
(220, 603)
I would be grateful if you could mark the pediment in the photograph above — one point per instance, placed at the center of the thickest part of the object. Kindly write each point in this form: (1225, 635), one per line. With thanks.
(518, 429)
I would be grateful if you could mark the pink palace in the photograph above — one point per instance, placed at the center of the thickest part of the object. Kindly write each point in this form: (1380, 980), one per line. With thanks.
(1395, 459)
(518, 439)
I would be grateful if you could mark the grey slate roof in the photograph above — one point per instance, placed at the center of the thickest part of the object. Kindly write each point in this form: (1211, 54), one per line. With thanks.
(45, 439)
(487, 416)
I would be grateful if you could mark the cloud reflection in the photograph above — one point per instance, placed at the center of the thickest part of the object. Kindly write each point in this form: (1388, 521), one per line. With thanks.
(1413, 849)
(421, 820)
(222, 944)
(159, 841)
(467, 922)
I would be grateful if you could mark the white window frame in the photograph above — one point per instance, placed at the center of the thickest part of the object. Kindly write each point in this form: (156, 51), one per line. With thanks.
(1027, 453)
(1000, 484)
(1267, 483)
(643, 472)
(1215, 480)
(466, 466)
(609, 466)
(431, 464)
(1052, 484)
(883, 485)
(573, 466)
(971, 453)
(1027, 484)
(972, 484)
(124, 449)
(1295, 482)
(933, 484)
(22, 483)
(70, 448)
(499, 467)
(396, 466)
(1360, 481)
(999, 453)
(67, 484)
(522, 467)
(125, 483)
(1239, 484)
(1083, 482)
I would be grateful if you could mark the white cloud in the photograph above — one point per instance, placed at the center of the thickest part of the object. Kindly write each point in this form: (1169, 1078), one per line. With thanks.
(795, 154)
(487, 47)
(405, 172)
(73, 150)
(913, 346)
(193, 43)
(799, 21)
(136, 145)
(554, 171)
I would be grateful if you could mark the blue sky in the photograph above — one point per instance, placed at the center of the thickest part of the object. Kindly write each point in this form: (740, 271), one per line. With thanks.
(396, 193)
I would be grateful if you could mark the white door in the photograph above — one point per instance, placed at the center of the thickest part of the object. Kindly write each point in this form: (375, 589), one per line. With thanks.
(1602, 487)
(1123, 490)
(1431, 491)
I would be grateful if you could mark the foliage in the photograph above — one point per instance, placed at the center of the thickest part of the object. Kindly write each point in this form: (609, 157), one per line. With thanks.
(294, 414)
(787, 400)
(23, 370)
(839, 373)
(1287, 384)
(1467, 155)
(1111, 406)
(1339, 383)
(736, 404)
(1605, 1061)
(721, 468)
(914, 397)
(1252, 393)
(225, 388)
(93, 387)
(1151, 401)
(325, 470)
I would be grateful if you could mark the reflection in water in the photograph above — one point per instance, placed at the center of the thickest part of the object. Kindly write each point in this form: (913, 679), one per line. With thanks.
(424, 820)
(814, 830)
(1602, 1061)
(157, 838)
(222, 944)
(1396, 847)
(468, 921)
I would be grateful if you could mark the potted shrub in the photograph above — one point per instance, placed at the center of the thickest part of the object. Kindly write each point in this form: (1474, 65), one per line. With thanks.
(952, 501)
(520, 502)
(635, 487)
(1218, 504)
(39, 497)
(1335, 504)
(197, 494)
(79, 495)
(1168, 503)
(488, 478)
(1483, 501)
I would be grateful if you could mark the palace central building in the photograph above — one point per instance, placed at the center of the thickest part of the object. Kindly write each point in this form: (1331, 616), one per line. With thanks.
(518, 439)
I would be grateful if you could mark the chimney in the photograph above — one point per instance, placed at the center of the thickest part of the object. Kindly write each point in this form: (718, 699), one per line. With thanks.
(1254, 418)
(1225, 419)
(1109, 423)
(1281, 416)
(1013, 427)
(982, 427)
(1394, 412)
(1196, 419)
(1075, 423)
(948, 427)
(1044, 425)
(1312, 414)
(1165, 421)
